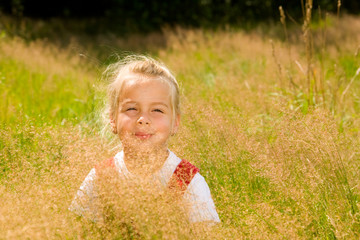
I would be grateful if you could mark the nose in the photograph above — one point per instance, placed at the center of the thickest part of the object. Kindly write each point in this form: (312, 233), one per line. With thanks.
(143, 120)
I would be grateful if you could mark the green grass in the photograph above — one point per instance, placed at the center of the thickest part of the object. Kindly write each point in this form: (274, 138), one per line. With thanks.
(36, 94)
(278, 165)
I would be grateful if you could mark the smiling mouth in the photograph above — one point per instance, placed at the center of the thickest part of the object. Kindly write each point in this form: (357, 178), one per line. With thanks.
(143, 136)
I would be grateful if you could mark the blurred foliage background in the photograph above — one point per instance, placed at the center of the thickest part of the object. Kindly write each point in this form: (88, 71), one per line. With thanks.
(125, 16)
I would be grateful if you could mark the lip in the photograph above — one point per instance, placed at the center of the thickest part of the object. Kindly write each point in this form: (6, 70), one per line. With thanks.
(142, 135)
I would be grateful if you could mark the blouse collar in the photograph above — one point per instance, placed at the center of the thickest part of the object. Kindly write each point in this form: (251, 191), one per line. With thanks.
(163, 174)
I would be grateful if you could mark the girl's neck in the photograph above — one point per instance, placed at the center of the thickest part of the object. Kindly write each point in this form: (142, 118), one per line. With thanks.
(145, 163)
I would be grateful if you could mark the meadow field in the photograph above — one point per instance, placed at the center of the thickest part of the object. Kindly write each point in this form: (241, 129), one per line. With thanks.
(271, 116)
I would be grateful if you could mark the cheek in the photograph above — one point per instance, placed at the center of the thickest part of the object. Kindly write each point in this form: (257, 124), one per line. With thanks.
(124, 122)
(164, 125)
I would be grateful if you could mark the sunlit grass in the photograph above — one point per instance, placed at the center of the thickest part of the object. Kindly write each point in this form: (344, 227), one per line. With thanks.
(43, 82)
(278, 166)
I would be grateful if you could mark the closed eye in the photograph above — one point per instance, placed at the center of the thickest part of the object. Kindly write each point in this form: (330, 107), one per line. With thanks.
(131, 109)
(158, 110)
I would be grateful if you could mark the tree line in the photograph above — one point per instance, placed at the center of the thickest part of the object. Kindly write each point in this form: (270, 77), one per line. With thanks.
(149, 15)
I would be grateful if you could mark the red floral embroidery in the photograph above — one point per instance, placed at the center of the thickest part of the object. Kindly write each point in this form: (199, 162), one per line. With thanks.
(183, 175)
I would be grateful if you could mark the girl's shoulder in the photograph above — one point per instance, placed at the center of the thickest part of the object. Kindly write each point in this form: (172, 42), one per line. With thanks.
(183, 175)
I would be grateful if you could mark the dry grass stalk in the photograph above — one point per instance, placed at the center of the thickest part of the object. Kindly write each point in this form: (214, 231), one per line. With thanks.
(308, 45)
(338, 8)
(279, 68)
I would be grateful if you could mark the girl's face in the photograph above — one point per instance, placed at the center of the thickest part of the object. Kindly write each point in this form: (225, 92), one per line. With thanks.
(145, 119)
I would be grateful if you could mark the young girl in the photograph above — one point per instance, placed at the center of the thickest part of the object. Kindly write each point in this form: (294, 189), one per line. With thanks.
(144, 110)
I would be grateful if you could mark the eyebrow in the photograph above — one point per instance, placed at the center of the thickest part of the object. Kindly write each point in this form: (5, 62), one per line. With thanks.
(159, 103)
(153, 103)
(127, 102)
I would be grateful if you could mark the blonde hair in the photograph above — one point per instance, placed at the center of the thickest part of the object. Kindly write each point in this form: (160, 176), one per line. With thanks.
(147, 68)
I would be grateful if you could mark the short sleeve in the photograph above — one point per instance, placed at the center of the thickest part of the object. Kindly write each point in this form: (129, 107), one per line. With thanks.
(84, 203)
(202, 207)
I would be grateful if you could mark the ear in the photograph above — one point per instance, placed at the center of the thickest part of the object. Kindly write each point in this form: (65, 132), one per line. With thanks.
(176, 124)
(113, 124)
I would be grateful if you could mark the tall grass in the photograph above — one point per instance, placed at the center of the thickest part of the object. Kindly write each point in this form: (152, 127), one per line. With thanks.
(277, 166)
(35, 82)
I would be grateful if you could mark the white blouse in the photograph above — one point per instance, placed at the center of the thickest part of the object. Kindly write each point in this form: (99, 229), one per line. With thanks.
(197, 194)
